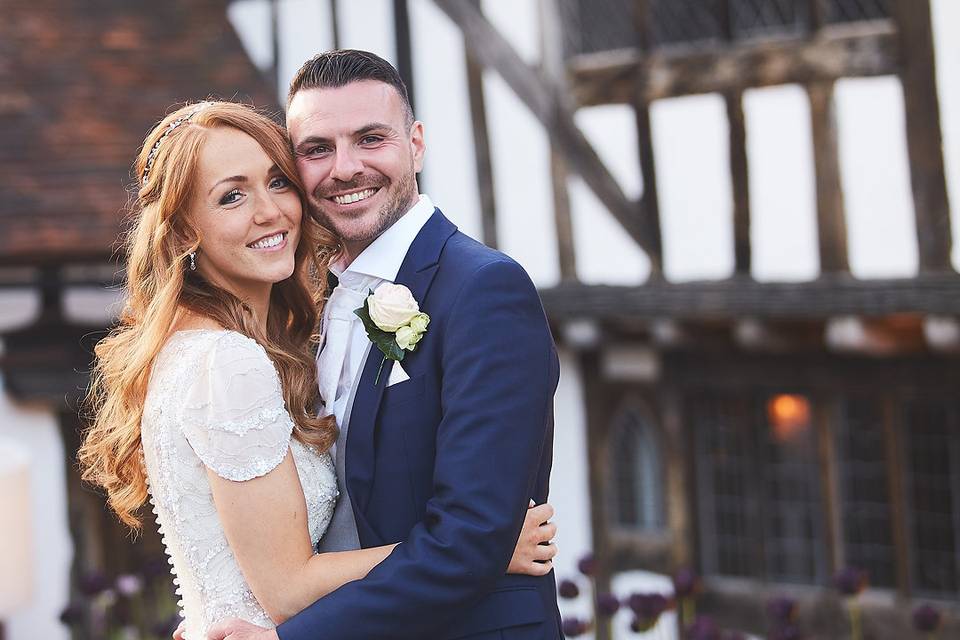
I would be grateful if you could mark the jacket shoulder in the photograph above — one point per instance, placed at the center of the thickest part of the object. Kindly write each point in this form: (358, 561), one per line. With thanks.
(466, 255)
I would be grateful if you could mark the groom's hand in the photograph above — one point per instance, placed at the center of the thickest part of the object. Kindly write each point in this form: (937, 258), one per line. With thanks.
(239, 630)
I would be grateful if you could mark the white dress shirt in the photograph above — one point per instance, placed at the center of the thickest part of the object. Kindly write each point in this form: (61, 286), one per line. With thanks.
(378, 263)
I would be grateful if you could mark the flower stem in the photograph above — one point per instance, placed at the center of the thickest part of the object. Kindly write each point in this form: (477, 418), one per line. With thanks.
(687, 612)
(377, 379)
(856, 631)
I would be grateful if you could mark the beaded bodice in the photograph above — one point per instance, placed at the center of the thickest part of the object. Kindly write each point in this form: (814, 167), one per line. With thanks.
(214, 401)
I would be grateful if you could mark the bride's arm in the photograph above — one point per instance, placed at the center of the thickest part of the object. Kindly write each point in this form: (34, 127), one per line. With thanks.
(265, 521)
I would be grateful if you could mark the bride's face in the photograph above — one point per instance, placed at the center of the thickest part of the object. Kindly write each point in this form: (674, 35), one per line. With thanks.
(248, 214)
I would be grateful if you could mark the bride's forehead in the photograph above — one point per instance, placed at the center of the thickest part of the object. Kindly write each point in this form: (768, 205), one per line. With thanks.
(232, 150)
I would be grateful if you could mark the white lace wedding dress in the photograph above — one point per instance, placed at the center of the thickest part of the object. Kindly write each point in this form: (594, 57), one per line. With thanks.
(214, 400)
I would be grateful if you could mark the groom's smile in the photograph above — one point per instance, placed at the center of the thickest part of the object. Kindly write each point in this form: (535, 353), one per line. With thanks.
(353, 197)
(358, 155)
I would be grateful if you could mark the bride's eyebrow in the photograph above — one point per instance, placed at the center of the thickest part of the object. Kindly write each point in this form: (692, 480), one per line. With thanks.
(230, 179)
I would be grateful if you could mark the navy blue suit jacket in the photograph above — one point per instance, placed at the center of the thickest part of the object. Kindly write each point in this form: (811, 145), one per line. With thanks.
(446, 461)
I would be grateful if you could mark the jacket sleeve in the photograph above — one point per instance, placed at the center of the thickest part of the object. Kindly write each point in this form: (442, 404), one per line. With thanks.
(499, 377)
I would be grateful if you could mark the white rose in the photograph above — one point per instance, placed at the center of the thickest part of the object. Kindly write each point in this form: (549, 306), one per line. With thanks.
(407, 338)
(392, 306)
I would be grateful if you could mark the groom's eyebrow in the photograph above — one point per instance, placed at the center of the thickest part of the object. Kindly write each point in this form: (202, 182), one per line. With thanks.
(373, 126)
(365, 129)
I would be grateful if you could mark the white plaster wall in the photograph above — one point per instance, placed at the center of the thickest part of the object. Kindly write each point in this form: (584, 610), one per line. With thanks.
(35, 428)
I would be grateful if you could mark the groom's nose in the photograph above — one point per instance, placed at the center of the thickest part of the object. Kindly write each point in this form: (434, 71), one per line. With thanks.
(346, 165)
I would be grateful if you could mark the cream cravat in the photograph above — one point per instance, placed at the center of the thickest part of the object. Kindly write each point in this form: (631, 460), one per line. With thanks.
(338, 333)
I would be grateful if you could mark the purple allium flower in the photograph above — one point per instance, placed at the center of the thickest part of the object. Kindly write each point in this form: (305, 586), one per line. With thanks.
(607, 604)
(156, 567)
(686, 583)
(587, 565)
(573, 627)
(129, 585)
(703, 628)
(121, 613)
(648, 605)
(165, 628)
(786, 632)
(850, 581)
(568, 589)
(94, 583)
(782, 609)
(926, 619)
(72, 615)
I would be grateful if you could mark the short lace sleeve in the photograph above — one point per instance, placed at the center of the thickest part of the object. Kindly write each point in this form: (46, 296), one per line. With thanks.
(233, 415)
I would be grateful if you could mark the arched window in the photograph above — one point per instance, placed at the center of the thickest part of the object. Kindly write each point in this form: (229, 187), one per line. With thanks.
(635, 472)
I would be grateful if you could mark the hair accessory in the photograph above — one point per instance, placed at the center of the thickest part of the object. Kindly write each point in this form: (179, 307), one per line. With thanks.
(156, 145)
(193, 261)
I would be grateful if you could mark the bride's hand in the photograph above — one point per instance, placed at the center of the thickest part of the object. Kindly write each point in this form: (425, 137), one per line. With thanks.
(535, 551)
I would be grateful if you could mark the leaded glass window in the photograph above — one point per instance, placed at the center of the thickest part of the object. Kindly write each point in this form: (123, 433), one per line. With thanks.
(637, 496)
(864, 490)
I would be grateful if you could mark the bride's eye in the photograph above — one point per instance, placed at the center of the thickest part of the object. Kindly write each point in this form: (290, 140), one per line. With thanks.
(231, 197)
(279, 182)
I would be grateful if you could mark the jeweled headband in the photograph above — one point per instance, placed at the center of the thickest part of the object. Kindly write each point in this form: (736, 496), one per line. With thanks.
(170, 127)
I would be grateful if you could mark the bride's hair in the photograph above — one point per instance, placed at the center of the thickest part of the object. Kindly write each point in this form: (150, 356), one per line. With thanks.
(160, 285)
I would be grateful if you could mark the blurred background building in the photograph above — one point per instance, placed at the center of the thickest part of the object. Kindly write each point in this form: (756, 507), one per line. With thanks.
(737, 214)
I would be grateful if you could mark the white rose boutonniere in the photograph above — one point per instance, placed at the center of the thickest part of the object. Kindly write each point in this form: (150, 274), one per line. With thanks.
(393, 321)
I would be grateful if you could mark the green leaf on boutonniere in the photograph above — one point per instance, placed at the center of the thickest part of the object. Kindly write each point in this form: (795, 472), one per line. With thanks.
(386, 342)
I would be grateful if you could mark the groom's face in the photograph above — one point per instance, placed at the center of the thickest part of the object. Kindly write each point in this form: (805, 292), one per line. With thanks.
(358, 158)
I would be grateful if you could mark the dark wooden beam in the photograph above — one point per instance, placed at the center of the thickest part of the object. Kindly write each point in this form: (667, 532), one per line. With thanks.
(544, 101)
(740, 182)
(831, 219)
(335, 23)
(649, 199)
(816, 14)
(401, 26)
(554, 68)
(896, 475)
(275, 46)
(924, 139)
(481, 150)
(562, 216)
(828, 296)
(612, 77)
(598, 401)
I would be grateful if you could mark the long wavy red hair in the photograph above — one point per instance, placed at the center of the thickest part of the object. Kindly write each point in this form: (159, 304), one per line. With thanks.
(159, 286)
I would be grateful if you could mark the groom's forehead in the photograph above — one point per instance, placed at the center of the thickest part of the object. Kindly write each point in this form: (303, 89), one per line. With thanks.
(341, 110)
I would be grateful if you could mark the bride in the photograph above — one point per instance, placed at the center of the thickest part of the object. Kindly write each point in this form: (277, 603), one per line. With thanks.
(203, 397)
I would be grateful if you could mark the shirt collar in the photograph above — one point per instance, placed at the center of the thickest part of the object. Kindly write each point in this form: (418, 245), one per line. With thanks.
(383, 257)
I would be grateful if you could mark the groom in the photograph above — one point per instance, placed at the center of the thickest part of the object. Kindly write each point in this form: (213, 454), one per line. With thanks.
(443, 450)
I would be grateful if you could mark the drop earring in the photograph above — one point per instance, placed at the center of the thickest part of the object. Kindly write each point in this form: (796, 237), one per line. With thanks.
(193, 261)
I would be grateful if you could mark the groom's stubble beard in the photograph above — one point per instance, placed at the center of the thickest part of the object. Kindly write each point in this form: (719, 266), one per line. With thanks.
(403, 195)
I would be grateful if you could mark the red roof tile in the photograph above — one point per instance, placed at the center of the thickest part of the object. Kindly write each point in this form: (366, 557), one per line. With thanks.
(80, 85)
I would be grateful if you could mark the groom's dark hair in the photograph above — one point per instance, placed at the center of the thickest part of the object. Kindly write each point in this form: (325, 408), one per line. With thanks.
(340, 67)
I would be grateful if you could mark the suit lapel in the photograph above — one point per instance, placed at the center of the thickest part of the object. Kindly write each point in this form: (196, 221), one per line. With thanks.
(416, 272)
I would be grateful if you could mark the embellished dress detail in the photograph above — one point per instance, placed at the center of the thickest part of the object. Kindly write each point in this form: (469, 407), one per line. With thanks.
(214, 401)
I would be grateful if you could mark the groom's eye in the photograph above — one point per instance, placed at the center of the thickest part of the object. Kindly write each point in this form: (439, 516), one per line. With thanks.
(371, 139)
(315, 150)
